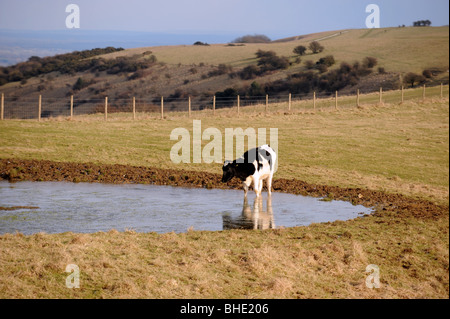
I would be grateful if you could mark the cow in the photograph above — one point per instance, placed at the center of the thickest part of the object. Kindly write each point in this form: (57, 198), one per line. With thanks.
(256, 165)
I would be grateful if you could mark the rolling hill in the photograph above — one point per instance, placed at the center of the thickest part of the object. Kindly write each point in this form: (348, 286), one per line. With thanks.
(202, 70)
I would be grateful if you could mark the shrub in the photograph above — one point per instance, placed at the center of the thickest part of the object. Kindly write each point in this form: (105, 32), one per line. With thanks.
(249, 72)
(269, 61)
(345, 68)
(309, 64)
(328, 60)
(81, 84)
(228, 96)
(230, 92)
(322, 68)
(413, 78)
(369, 62)
(201, 43)
(138, 75)
(360, 70)
(152, 59)
(316, 47)
(300, 50)
(221, 69)
(264, 54)
(65, 63)
(427, 73)
(255, 89)
(302, 82)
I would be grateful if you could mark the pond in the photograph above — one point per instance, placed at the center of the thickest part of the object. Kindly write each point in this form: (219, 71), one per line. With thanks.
(56, 207)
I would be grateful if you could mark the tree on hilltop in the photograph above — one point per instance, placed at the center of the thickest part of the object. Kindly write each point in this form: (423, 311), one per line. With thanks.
(256, 38)
(422, 23)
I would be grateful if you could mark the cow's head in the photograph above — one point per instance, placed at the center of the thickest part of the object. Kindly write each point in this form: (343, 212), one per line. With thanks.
(229, 170)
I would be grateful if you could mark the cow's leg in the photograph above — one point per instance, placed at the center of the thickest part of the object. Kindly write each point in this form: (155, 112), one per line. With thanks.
(269, 184)
(245, 189)
(256, 184)
(246, 185)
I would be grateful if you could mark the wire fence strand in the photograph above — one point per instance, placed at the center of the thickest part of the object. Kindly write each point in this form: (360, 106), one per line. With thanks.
(28, 108)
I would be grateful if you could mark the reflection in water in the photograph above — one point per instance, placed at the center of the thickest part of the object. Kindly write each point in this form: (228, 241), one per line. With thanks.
(252, 217)
(56, 207)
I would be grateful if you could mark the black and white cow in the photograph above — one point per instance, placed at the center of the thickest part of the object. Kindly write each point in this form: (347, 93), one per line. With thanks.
(255, 165)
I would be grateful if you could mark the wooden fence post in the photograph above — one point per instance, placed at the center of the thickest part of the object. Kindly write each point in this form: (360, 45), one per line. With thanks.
(336, 103)
(214, 105)
(162, 107)
(403, 95)
(267, 102)
(2, 106)
(71, 107)
(39, 108)
(134, 108)
(106, 108)
(314, 100)
(289, 102)
(357, 98)
(189, 106)
(423, 92)
(381, 95)
(442, 91)
(238, 103)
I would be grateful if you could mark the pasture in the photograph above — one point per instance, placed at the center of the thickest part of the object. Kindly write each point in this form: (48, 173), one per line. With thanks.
(396, 49)
(390, 149)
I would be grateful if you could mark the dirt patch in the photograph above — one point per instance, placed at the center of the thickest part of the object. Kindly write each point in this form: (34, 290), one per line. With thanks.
(398, 205)
(18, 207)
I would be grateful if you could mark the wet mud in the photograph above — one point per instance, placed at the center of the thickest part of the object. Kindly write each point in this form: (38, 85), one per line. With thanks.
(397, 205)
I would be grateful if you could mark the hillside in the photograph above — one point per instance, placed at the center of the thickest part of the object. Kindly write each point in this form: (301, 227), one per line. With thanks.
(193, 70)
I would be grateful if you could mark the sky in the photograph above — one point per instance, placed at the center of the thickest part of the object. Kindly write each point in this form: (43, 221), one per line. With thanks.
(274, 18)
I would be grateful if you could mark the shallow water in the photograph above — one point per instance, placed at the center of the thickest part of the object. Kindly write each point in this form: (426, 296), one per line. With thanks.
(56, 207)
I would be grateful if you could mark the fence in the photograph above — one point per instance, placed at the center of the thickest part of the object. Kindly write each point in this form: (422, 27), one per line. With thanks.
(41, 107)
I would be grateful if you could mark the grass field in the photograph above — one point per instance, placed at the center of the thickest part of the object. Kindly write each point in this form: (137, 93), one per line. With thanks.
(396, 148)
(398, 49)
(188, 70)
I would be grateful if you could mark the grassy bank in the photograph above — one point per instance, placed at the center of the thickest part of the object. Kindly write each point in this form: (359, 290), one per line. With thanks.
(319, 261)
(393, 148)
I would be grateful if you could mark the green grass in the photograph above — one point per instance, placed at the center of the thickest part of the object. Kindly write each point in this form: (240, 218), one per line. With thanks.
(399, 148)
(392, 147)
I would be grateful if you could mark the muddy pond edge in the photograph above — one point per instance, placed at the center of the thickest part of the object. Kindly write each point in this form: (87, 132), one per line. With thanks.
(15, 170)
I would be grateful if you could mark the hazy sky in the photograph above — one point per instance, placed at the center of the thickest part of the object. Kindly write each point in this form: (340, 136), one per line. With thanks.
(275, 18)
